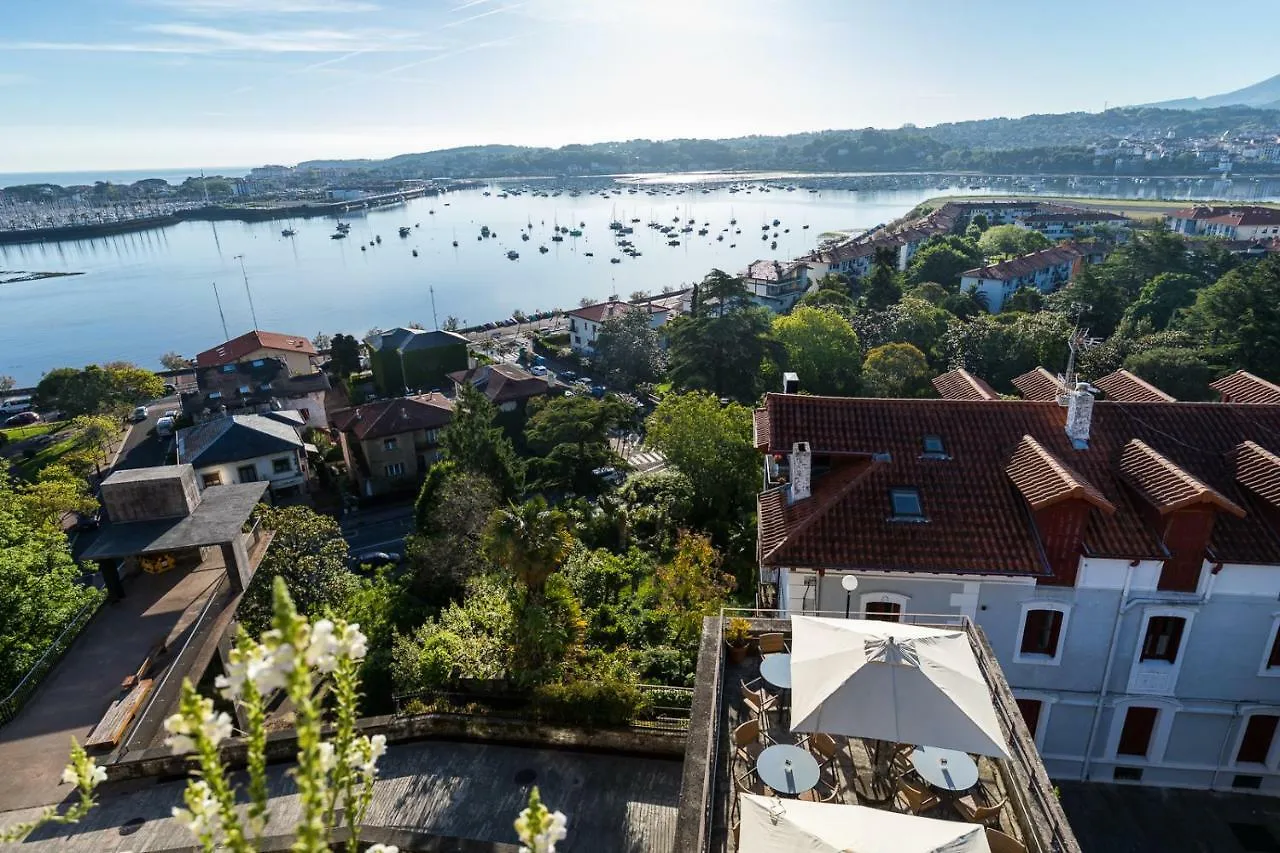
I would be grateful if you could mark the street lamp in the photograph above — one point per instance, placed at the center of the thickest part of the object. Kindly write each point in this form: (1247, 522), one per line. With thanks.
(850, 583)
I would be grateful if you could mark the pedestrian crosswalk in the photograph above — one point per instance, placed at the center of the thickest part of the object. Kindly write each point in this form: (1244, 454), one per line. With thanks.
(646, 460)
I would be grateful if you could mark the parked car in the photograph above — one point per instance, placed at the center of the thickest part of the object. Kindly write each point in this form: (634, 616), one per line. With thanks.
(164, 426)
(89, 521)
(598, 391)
(173, 413)
(139, 414)
(538, 370)
(375, 559)
(22, 419)
(610, 475)
(568, 375)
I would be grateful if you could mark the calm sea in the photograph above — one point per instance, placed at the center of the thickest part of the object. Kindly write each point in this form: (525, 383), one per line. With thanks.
(115, 176)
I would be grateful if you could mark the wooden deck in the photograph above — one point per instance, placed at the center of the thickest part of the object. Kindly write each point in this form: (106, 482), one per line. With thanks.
(854, 775)
(619, 804)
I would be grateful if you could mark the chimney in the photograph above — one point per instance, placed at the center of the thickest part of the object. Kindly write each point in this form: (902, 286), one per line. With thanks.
(1080, 414)
(790, 383)
(801, 471)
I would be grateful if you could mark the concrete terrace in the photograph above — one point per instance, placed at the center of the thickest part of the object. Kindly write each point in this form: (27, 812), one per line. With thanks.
(615, 804)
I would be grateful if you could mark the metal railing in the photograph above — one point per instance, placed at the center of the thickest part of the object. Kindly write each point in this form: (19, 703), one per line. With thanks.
(666, 711)
(18, 696)
(930, 620)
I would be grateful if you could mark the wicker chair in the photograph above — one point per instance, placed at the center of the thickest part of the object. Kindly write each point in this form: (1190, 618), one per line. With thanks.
(823, 792)
(772, 644)
(969, 809)
(916, 800)
(750, 783)
(749, 741)
(1001, 843)
(758, 700)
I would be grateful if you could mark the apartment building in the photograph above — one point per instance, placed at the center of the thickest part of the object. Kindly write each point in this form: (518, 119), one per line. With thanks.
(1046, 271)
(1237, 222)
(1122, 556)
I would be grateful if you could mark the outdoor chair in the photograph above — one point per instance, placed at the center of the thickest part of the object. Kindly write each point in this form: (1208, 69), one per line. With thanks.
(969, 809)
(1001, 843)
(772, 644)
(758, 701)
(900, 765)
(750, 783)
(916, 800)
(747, 741)
(824, 792)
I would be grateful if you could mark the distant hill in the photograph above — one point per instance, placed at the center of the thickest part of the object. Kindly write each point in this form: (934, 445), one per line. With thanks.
(1264, 96)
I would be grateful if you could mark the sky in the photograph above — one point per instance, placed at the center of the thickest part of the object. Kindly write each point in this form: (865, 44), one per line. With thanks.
(137, 84)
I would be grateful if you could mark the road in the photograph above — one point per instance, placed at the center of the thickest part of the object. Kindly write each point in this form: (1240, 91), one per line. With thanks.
(378, 529)
(143, 449)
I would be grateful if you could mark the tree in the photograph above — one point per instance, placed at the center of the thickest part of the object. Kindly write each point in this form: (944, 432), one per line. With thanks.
(94, 435)
(720, 354)
(1003, 346)
(344, 355)
(691, 586)
(175, 361)
(940, 262)
(880, 286)
(321, 341)
(1158, 302)
(828, 299)
(1011, 240)
(39, 581)
(530, 540)
(820, 346)
(1092, 299)
(451, 513)
(726, 291)
(711, 445)
(571, 434)
(97, 388)
(7, 383)
(1180, 373)
(655, 507)
(308, 553)
(895, 370)
(1026, 299)
(628, 349)
(476, 445)
(1237, 318)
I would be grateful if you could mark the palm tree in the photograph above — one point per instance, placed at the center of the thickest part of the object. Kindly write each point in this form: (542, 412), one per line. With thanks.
(530, 539)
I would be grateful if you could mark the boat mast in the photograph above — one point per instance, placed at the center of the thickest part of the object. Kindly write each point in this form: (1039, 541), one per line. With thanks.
(226, 336)
(434, 318)
(248, 292)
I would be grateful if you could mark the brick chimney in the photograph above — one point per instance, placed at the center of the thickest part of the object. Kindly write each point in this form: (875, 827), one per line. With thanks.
(801, 471)
(1079, 414)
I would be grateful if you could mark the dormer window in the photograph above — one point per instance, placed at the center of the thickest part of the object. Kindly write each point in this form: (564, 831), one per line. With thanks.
(245, 389)
(934, 448)
(228, 368)
(906, 505)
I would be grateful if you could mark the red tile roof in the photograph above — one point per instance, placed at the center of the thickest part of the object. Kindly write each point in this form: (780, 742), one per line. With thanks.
(237, 348)
(960, 384)
(773, 270)
(385, 418)
(605, 310)
(1166, 486)
(1038, 384)
(1075, 216)
(1027, 264)
(1248, 214)
(976, 509)
(503, 383)
(1258, 469)
(1128, 388)
(1244, 387)
(1044, 480)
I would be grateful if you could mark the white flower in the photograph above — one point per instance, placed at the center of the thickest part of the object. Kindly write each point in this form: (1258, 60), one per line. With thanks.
(179, 739)
(323, 647)
(553, 828)
(201, 809)
(383, 848)
(354, 644)
(99, 774)
(326, 756)
(70, 776)
(377, 747)
(217, 728)
(365, 753)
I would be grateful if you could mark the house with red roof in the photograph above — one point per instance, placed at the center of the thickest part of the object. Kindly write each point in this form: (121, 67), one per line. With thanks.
(1120, 554)
(1045, 270)
(295, 350)
(585, 322)
(1235, 222)
(389, 444)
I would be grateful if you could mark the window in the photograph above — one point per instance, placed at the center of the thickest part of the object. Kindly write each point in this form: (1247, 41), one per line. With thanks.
(1040, 632)
(247, 474)
(1030, 710)
(934, 448)
(1135, 737)
(389, 444)
(884, 611)
(906, 504)
(214, 479)
(1271, 660)
(1127, 774)
(1164, 636)
(395, 469)
(1256, 743)
(1247, 782)
(281, 466)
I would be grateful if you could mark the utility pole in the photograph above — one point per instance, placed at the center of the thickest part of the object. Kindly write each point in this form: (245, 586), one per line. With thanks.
(248, 292)
(226, 334)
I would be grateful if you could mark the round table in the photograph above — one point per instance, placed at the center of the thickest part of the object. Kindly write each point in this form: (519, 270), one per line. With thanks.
(948, 769)
(787, 769)
(776, 669)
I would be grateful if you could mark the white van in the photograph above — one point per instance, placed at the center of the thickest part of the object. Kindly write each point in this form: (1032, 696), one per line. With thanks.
(13, 405)
(164, 426)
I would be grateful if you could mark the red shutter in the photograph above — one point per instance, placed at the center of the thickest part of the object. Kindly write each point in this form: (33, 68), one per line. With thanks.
(1030, 709)
(1135, 737)
(1256, 742)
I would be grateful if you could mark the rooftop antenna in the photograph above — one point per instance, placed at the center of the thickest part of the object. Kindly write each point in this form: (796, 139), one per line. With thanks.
(225, 333)
(252, 312)
(434, 318)
(1079, 340)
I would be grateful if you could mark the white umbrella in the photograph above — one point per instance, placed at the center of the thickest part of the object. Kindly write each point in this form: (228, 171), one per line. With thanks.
(796, 826)
(891, 681)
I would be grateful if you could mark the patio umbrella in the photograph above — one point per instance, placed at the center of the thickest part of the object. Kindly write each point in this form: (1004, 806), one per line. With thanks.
(790, 826)
(892, 682)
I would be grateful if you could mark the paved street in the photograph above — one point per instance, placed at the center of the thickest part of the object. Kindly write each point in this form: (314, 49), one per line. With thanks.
(143, 448)
(378, 529)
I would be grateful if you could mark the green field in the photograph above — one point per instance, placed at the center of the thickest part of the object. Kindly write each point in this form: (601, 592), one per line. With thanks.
(22, 433)
(1136, 208)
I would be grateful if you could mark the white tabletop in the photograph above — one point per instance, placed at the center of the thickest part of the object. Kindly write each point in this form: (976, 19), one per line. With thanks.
(787, 769)
(948, 769)
(776, 669)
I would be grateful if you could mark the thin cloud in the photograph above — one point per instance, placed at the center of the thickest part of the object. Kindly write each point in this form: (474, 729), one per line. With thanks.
(468, 20)
(468, 5)
(290, 41)
(99, 47)
(266, 7)
(468, 49)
